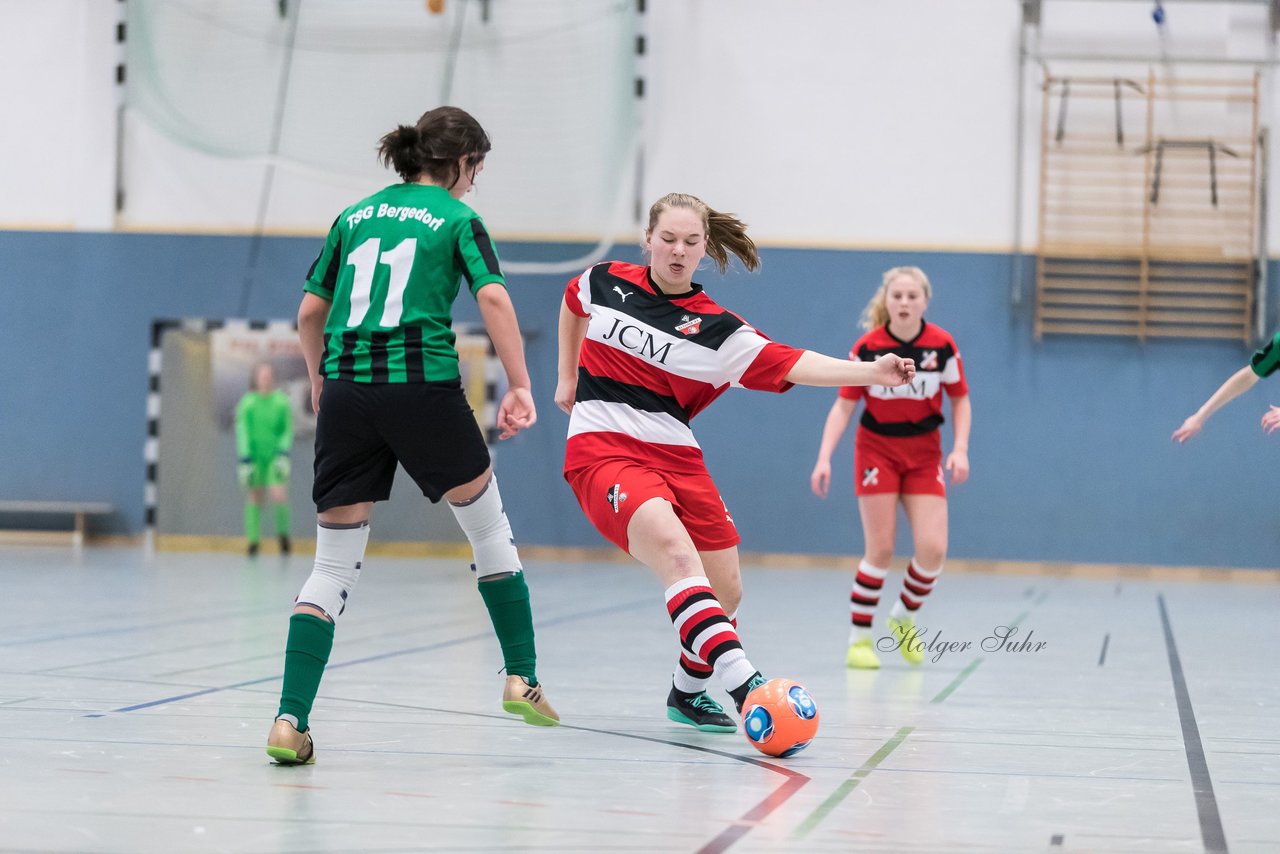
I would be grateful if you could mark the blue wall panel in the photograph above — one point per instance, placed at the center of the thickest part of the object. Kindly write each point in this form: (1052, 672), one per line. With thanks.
(1070, 452)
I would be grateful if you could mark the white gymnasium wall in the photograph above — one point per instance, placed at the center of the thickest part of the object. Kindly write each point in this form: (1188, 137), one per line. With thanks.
(58, 113)
(823, 122)
(830, 121)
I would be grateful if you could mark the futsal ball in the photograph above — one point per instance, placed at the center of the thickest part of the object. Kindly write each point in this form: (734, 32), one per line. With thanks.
(780, 718)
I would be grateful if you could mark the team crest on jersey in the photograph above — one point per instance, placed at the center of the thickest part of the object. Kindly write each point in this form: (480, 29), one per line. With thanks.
(928, 360)
(616, 496)
(689, 325)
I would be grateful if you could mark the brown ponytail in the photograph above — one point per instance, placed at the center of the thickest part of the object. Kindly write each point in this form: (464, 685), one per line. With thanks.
(726, 234)
(433, 146)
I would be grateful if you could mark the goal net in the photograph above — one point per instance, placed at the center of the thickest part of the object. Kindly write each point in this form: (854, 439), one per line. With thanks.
(265, 116)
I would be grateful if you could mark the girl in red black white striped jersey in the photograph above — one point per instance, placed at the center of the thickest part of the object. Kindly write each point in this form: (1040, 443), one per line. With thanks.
(643, 350)
(898, 457)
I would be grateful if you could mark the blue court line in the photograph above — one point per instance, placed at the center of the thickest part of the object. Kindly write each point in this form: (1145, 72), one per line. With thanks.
(567, 618)
(1211, 832)
(120, 630)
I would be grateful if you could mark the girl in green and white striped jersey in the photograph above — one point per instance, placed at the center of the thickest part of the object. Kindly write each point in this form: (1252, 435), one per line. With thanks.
(376, 330)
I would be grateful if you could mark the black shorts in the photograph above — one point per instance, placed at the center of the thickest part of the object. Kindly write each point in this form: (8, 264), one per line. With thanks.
(364, 429)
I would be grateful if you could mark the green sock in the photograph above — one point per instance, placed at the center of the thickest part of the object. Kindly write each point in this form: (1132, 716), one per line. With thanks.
(508, 602)
(282, 520)
(305, 655)
(252, 522)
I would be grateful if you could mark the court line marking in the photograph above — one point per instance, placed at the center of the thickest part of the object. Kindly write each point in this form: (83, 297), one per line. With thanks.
(1211, 832)
(722, 841)
(847, 788)
(751, 818)
(382, 656)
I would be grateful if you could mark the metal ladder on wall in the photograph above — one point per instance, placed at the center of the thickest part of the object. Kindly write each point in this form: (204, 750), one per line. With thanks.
(1155, 236)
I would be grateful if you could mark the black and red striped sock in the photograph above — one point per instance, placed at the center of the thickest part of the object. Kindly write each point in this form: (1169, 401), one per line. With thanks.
(864, 598)
(692, 673)
(706, 632)
(917, 585)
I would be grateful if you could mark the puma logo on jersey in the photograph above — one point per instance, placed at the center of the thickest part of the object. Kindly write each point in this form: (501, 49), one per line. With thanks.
(871, 477)
(689, 325)
(622, 293)
(928, 360)
(616, 496)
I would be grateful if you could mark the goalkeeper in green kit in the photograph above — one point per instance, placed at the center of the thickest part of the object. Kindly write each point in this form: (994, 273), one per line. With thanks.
(264, 437)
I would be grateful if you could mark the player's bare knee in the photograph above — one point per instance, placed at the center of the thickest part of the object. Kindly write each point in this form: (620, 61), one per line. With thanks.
(681, 557)
(879, 557)
(730, 596)
(930, 556)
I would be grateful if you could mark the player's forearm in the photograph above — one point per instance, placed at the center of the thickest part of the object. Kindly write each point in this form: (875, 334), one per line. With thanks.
(836, 423)
(571, 330)
(1236, 385)
(312, 315)
(504, 331)
(816, 369)
(961, 420)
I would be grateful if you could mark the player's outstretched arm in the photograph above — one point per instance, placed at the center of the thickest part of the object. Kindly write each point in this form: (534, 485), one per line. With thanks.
(819, 370)
(1236, 385)
(516, 412)
(572, 329)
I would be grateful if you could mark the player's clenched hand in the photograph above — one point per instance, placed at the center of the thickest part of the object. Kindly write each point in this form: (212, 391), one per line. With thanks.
(566, 393)
(893, 370)
(516, 412)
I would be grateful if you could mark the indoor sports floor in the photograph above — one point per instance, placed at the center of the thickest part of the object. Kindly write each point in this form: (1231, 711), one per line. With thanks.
(136, 694)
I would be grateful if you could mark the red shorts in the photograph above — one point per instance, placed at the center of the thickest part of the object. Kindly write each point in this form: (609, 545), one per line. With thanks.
(612, 490)
(898, 465)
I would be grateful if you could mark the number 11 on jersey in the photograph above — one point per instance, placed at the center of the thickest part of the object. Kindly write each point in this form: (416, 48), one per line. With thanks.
(365, 258)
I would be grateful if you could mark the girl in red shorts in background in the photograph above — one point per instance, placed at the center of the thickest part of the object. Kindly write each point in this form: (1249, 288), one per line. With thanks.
(898, 457)
(643, 349)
